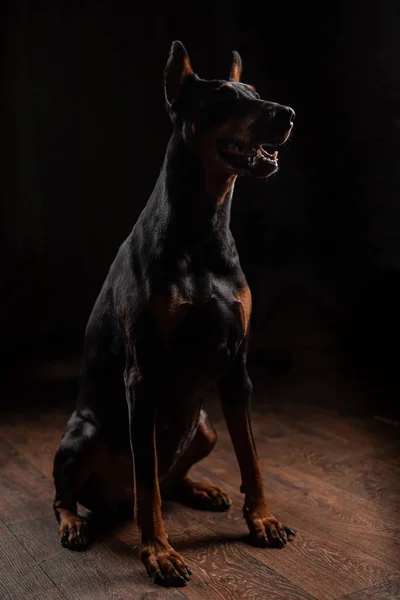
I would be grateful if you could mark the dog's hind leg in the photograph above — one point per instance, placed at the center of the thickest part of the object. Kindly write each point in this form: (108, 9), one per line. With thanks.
(192, 493)
(73, 466)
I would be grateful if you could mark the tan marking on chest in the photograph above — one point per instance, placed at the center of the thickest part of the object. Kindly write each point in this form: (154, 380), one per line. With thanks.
(243, 297)
(169, 311)
(218, 187)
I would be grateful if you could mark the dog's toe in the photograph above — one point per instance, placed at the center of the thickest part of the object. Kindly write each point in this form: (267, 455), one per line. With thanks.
(203, 496)
(165, 566)
(73, 532)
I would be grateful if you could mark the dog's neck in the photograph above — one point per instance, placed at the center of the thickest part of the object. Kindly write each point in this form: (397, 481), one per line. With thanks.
(187, 216)
(195, 191)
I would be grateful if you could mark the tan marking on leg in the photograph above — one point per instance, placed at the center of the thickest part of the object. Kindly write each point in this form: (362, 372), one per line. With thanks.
(163, 564)
(72, 530)
(244, 299)
(169, 311)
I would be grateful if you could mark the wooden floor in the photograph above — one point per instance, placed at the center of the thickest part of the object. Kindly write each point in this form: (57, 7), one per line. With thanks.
(330, 473)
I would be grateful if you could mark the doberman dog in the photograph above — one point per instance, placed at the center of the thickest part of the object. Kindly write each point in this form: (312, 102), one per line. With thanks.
(171, 320)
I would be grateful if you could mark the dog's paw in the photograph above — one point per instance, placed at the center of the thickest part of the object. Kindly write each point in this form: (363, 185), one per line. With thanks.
(73, 532)
(202, 495)
(265, 530)
(164, 565)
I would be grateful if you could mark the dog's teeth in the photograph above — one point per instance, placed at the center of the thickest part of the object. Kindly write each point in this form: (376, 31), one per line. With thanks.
(275, 154)
(259, 153)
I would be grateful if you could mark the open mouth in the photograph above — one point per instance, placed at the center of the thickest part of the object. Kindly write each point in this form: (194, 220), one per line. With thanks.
(248, 158)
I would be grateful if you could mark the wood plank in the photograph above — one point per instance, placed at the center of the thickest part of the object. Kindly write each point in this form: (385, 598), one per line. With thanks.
(36, 436)
(326, 431)
(356, 521)
(26, 493)
(20, 577)
(107, 570)
(331, 476)
(225, 571)
(389, 590)
(222, 569)
(11, 551)
(205, 552)
(348, 429)
(364, 476)
(344, 430)
(322, 565)
(39, 537)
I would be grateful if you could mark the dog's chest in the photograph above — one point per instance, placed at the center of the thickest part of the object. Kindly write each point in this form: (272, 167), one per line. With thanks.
(202, 323)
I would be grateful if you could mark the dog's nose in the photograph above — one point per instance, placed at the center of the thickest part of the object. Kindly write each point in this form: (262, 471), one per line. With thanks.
(284, 115)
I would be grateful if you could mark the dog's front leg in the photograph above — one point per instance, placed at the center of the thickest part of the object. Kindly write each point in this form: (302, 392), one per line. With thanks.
(235, 392)
(163, 564)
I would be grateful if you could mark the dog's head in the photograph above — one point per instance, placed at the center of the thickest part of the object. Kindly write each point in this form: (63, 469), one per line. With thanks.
(225, 121)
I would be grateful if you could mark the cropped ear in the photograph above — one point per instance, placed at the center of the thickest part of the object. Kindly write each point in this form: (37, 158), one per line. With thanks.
(177, 68)
(236, 69)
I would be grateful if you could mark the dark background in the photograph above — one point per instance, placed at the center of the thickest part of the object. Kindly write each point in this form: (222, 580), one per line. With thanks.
(84, 136)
